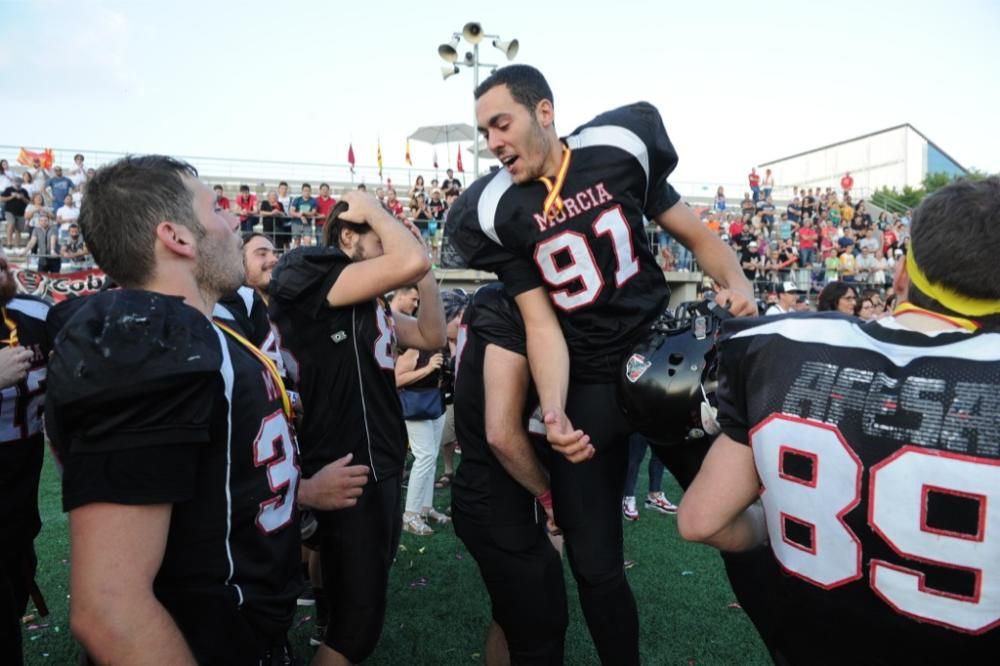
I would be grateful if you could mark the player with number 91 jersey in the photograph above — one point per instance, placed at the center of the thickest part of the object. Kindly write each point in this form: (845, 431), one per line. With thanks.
(591, 253)
(149, 403)
(878, 452)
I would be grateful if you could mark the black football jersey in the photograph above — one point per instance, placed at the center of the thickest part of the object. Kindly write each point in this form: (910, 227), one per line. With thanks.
(482, 488)
(342, 361)
(246, 312)
(21, 406)
(152, 403)
(593, 256)
(878, 450)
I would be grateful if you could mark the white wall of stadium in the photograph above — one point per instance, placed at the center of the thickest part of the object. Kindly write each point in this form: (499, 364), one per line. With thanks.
(893, 157)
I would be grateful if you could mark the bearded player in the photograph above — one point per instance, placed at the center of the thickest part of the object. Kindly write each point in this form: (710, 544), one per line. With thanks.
(873, 449)
(175, 440)
(563, 226)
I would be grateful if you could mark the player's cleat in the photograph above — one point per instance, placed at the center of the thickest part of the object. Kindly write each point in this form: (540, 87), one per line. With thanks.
(628, 509)
(307, 598)
(318, 635)
(659, 502)
(437, 517)
(414, 524)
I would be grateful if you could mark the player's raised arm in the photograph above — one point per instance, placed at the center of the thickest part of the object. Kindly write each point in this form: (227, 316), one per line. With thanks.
(718, 260)
(403, 257)
(426, 330)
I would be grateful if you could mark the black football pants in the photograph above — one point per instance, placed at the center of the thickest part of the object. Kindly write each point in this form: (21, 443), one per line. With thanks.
(587, 504)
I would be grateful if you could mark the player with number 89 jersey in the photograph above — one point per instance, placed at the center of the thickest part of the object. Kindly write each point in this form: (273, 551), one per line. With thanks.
(874, 449)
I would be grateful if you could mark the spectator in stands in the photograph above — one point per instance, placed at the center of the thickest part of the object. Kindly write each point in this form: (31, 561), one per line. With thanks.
(866, 264)
(78, 174)
(36, 210)
(247, 208)
(14, 199)
(73, 249)
(747, 206)
(789, 294)
(67, 214)
(808, 203)
(59, 186)
(867, 238)
(44, 242)
(451, 184)
(846, 183)
(38, 177)
(794, 211)
(750, 259)
(418, 188)
(394, 205)
(380, 195)
(720, 199)
(362, 187)
(436, 205)
(324, 204)
(221, 201)
(848, 263)
(767, 210)
(833, 212)
(303, 211)
(6, 175)
(837, 297)
(272, 215)
(418, 209)
(807, 237)
(754, 179)
(768, 184)
(861, 211)
(874, 296)
(284, 198)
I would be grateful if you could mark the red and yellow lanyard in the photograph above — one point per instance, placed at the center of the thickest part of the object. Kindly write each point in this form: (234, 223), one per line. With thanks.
(286, 403)
(553, 199)
(958, 322)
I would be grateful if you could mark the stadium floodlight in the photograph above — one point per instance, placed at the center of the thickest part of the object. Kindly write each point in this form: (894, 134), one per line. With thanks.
(473, 33)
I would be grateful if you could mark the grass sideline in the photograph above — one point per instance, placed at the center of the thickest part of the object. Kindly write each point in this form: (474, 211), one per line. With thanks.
(438, 609)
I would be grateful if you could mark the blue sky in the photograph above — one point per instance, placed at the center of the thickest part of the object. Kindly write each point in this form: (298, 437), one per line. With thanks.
(738, 83)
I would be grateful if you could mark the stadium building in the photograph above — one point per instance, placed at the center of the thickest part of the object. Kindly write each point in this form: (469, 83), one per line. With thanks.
(893, 157)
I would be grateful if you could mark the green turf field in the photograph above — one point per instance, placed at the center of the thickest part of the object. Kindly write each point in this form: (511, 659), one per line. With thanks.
(438, 608)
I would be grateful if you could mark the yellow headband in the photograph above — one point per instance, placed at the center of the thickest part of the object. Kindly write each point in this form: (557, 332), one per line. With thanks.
(951, 299)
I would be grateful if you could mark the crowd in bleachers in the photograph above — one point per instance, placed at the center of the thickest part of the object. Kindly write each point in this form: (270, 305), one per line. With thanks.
(819, 237)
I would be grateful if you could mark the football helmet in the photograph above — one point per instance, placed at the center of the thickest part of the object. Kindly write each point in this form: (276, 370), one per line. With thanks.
(667, 384)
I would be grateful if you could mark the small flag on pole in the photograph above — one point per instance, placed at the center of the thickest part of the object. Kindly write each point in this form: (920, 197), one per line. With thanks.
(350, 155)
(378, 158)
(435, 158)
(408, 160)
(458, 165)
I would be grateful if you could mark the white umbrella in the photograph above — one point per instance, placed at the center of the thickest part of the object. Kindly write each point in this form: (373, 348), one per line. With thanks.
(435, 134)
(483, 150)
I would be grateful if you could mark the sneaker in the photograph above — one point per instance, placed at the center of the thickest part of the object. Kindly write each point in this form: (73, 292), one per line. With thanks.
(307, 598)
(437, 516)
(628, 509)
(414, 524)
(318, 636)
(659, 502)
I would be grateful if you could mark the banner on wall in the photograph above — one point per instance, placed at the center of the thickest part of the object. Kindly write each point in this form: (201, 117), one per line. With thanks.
(57, 287)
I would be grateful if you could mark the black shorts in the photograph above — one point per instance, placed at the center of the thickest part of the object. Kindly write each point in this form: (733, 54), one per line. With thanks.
(526, 588)
(357, 547)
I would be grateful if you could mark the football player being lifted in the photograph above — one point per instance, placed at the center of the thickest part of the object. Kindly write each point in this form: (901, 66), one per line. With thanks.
(562, 224)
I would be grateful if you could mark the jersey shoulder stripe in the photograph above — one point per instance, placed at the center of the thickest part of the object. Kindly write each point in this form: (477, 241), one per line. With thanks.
(489, 201)
(30, 307)
(614, 136)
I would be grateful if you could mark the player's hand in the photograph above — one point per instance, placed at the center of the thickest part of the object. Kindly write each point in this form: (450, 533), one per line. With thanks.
(337, 485)
(550, 522)
(436, 361)
(574, 445)
(14, 364)
(361, 207)
(738, 303)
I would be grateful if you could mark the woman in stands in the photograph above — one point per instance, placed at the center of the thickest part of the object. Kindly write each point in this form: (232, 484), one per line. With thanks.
(720, 199)
(36, 209)
(418, 188)
(837, 296)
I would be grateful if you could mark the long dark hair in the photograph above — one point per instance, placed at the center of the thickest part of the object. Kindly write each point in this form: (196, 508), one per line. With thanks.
(831, 295)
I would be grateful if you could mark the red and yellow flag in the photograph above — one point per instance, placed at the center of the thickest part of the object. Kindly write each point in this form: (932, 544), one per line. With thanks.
(378, 158)
(350, 155)
(458, 165)
(27, 158)
(408, 159)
